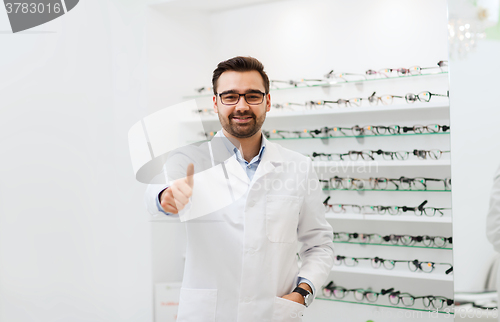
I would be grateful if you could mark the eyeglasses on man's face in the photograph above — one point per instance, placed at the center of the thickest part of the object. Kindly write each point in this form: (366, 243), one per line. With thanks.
(252, 98)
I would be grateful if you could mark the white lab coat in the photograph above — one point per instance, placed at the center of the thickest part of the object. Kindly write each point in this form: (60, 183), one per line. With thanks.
(242, 258)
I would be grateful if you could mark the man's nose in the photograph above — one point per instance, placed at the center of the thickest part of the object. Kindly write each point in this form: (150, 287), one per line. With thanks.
(242, 105)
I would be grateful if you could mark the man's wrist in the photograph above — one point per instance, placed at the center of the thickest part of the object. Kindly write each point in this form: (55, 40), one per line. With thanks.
(305, 286)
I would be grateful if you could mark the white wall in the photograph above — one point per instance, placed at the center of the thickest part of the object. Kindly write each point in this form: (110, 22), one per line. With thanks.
(475, 112)
(74, 239)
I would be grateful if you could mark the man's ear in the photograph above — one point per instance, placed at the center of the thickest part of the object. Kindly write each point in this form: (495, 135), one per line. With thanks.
(268, 102)
(214, 98)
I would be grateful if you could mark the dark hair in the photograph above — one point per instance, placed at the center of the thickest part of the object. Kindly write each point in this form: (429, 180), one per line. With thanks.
(240, 64)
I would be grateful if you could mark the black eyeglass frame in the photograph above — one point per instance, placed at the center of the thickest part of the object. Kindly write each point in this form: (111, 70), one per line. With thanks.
(240, 95)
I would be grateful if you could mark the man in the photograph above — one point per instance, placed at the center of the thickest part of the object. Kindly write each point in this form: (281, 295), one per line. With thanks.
(241, 262)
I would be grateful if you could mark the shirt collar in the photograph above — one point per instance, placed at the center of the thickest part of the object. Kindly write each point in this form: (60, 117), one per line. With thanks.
(233, 149)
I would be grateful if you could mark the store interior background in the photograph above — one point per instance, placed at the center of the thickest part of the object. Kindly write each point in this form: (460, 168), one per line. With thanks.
(75, 238)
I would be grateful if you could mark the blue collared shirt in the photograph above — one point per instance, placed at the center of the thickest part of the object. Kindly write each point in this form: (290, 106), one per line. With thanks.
(250, 169)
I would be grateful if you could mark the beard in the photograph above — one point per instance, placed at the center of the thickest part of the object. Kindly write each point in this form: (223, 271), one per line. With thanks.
(242, 130)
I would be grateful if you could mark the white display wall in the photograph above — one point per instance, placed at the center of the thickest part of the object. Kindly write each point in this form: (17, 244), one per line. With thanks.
(298, 39)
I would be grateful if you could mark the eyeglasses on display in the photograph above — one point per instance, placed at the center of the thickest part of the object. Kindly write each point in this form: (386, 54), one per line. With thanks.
(395, 297)
(370, 155)
(404, 240)
(413, 70)
(381, 183)
(359, 294)
(431, 128)
(340, 102)
(382, 210)
(344, 77)
(286, 105)
(428, 241)
(356, 130)
(436, 302)
(389, 264)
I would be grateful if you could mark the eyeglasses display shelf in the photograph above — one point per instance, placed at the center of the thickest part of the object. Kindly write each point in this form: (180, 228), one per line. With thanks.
(392, 245)
(337, 83)
(388, 306)
(383, 163)
(399, 218)
(393, 273)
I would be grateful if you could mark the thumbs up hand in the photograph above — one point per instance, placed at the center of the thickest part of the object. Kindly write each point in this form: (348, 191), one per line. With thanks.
(176, 197)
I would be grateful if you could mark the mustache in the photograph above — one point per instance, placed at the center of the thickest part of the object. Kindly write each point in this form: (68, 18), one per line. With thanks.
(242, 115)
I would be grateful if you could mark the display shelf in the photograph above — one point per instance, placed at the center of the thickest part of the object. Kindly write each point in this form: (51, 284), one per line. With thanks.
(340, 137)
(344, 110)
(391, 245)
(393, 218)
(357, 136)
(400, 190)
(335, 83)
(383, 163)
(387, 306)
(397, 273)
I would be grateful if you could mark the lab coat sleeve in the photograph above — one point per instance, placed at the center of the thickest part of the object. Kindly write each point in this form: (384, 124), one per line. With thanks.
(493, 217)
(315, 233)
(176, 165)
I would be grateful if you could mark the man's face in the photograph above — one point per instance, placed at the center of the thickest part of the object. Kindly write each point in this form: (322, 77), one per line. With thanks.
(241, 120)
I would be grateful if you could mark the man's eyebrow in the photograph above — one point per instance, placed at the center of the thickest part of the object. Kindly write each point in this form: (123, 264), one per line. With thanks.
(235, 91)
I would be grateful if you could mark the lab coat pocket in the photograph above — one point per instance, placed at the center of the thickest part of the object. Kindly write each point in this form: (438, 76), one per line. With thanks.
(287, 311)
(282, 218)
(197, 305)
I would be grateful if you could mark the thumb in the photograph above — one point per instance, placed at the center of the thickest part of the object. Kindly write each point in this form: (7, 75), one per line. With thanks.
(189, 175)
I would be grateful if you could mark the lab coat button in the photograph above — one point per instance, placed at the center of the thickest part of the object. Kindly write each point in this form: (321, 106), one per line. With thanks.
(247, 300)
(251, 252)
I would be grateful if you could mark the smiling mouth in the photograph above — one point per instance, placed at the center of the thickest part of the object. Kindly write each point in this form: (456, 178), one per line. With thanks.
(240, 119)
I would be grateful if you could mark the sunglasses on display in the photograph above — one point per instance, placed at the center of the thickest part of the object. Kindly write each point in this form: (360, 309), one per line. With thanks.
(382, 210)
(389, 264)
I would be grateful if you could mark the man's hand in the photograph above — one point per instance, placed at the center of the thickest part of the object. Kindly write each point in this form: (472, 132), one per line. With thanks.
(175, 198)
(296, 297)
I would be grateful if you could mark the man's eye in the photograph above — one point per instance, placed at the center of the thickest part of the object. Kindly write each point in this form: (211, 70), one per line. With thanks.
(230, 97)
(253, 96)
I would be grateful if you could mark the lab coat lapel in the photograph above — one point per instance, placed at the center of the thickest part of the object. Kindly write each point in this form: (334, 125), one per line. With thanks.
(270, 162)
(221, 155)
